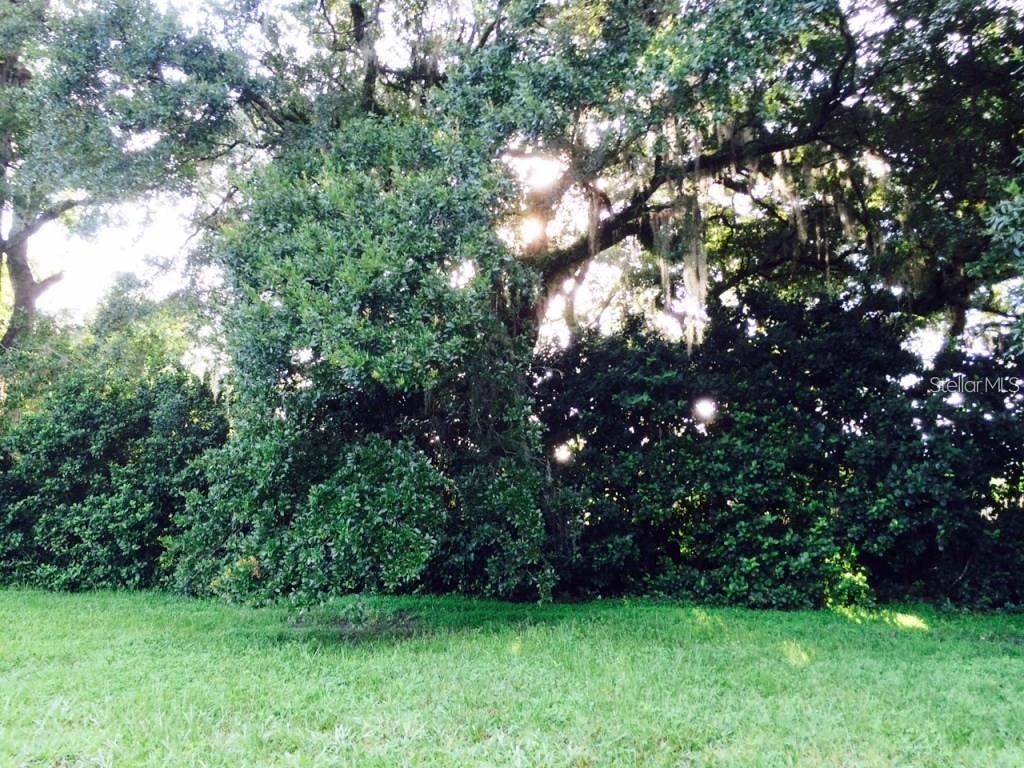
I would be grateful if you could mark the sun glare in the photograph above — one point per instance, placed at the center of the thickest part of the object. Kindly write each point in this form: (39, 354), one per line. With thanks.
(536, 172)
(531, 230)
(147, 242)
(909, 621)
(463, 274)
(705, 409)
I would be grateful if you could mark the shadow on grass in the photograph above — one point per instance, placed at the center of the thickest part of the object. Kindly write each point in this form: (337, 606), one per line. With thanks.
(359, 620)
(801, 635)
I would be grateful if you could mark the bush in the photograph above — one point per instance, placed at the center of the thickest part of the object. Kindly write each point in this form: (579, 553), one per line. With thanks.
(820, 480)
(92, 479)
(497, 540)
(371, 525)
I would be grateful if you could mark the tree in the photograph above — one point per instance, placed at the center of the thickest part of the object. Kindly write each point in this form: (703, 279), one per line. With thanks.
(658, 116)
(100, 104)
(831, 121)
(372, 308)
(796, 147)
(830, 124)
(420, 191)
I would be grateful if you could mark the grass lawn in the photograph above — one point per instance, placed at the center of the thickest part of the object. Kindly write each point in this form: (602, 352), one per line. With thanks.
(109, 679)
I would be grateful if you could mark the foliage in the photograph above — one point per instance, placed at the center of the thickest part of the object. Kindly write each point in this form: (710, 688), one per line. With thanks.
(101, 103)
(497, 540)
(371, 525)
(93, 478)
(819, 478)
(368, 296)
(397, 420)
(1006, 226)
(117, 98)
(371, 312)
(96, 461)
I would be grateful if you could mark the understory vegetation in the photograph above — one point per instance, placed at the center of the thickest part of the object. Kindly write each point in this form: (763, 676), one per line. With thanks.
(717, 301)
(818, 491)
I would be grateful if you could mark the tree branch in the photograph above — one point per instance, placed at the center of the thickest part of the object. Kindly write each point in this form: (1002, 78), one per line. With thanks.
(44, 218)
(612, 230)
(489, 29)
(627, 222)
(46, 282)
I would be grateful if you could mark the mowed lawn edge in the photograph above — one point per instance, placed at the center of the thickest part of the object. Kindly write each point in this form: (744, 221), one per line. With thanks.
(150, 679)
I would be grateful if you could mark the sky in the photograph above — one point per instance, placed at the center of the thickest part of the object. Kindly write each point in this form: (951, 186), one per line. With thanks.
(148, 240)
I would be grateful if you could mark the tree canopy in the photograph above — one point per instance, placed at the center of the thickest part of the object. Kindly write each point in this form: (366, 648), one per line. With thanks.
(99, 103)
(478, 264)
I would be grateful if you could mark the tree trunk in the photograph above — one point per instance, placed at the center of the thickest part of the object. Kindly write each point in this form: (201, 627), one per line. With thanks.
(14, 252)
(20, 320)
(26, 291)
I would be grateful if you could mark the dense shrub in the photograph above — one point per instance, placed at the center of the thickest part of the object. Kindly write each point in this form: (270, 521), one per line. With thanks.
(827, 475)
(497, 541)
(819, 479)
(91, 480)
(289, 514)
(371, 525)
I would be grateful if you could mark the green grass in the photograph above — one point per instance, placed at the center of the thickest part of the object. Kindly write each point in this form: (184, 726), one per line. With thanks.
(109, 679)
